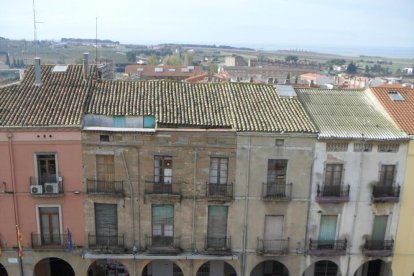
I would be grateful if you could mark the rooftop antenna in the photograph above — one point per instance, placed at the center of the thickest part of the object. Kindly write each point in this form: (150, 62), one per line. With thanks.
(35, 27)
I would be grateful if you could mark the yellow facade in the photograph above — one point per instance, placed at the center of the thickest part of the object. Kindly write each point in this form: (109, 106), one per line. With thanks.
(403, 261)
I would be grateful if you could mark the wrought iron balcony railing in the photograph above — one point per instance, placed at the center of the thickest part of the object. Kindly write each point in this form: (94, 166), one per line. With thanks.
(47, 241)
(276, 191)
(385, 193)
(162, 243)
(327, 247)
(218, 243)
(163, 189)
(94, 186)
(273, 246)
(378, 248)
(219, 190)
(106, 242)
(332, 193)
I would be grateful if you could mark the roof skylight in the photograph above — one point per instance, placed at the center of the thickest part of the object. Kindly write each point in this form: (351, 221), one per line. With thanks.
(395, 96)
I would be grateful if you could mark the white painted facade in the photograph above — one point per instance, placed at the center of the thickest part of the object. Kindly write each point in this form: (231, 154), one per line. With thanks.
(354, 218)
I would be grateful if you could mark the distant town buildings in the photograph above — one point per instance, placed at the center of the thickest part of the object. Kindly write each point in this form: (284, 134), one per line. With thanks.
(154, 72)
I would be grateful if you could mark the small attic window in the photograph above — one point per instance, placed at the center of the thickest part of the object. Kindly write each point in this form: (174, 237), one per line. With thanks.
(395, 96)
(60, 69)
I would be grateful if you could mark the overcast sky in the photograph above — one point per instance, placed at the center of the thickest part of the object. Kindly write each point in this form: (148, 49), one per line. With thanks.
(294, 23)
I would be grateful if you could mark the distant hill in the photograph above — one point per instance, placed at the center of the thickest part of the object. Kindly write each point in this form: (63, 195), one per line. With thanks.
(87, 40)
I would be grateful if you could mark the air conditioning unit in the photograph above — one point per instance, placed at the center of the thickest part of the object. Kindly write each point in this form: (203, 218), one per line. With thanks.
(51, 188)
(36, 189)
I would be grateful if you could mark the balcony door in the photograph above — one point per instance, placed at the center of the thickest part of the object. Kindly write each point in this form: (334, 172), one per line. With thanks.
(163, 174)
(49, 225)
(273, 232)
(162, 225)
(105, 168)
(46, 166)
(276, 177)
(327, 232)
(217, 227)
(379, 229)
(333, 179)
(387, 174)
(218, 176)
(106, 224)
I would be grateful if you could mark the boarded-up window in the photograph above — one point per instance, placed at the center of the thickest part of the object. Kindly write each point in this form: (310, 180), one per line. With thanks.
(119, 121)
(388, 147)
(162, 220)
(273, 227)
(106, 224)
(359, 147)
(163, 169)
(276, 171)
(149, 121)
(387, 174)
(218, 170)
(327, 228)
(105, 167)
(217, 226)
(333, 174)
(49, 225)
(380, 227)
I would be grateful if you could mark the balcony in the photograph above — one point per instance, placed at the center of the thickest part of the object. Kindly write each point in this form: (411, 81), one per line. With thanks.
(276, 191)
(104, 187)
(378, 248)
(163, 245)
(50, 186)
(332, 194)
(53, 242)
(219, 191)
(218, 245)
(273, 247)
(385, 193)
(161, 193)
(107, 243)
(328, 247)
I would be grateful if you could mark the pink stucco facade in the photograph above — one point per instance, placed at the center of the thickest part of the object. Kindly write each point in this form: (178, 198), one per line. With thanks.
(18, 151)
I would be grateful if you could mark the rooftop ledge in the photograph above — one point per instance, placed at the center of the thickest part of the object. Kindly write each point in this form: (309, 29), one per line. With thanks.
(119, 129)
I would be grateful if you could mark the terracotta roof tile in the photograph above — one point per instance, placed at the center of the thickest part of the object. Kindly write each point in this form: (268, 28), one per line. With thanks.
(402, 112)
(58, 102)
(240, 106)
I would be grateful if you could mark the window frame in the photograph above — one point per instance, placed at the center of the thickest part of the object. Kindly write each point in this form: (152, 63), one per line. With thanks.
(384, 175)
(280, 176)
(159, 172)
(37, 168)
(39, 221)
(218, 177)
(332, 181)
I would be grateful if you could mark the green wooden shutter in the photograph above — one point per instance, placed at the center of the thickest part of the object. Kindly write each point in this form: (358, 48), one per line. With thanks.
(380, 226)
(119, 121)
(327, 229)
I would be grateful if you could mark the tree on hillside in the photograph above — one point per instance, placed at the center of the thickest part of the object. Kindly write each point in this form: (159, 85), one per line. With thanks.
(152, 60)
(336, 61)
(172, 60)
(131, 56)
(291, 59)
(188, 59)
(7, 59)
(351, 69)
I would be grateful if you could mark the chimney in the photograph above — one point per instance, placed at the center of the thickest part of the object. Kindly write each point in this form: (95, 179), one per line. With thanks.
(85, 65)
(38, 77)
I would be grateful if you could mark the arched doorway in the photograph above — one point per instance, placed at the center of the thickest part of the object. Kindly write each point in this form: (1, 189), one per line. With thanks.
(322, 268)
(216, 268)
(3, 271)
(53, 267)
(162, 268)
(104, 267)
(374, 268)
(270, 267)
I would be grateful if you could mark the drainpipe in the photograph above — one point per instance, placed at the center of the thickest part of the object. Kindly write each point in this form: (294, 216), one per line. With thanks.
(361, 167)
(138, 198)
(194, 201)
(309, 204)
(14, 191)
(131, 192)
(246, 211)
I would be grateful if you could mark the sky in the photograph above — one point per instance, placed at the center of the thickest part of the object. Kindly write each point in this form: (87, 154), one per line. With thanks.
(266, 23)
